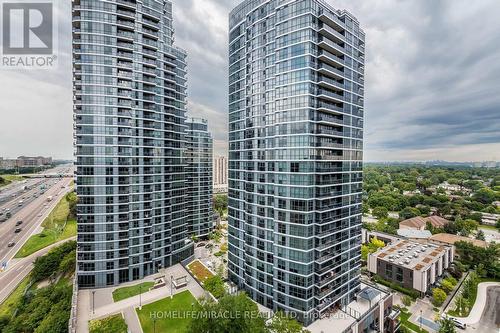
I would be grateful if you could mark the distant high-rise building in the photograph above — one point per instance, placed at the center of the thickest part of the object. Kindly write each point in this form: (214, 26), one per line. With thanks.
(129, 84)
(220, 170)
(296, 80)
(199, 177)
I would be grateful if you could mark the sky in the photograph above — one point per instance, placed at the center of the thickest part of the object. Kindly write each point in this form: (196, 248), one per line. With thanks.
(432, 79)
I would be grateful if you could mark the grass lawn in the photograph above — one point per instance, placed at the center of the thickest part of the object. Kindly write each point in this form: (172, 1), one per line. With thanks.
(7, 179)
(200, 272)
(10, 303)
(111, 324)
(490, 227)
(178, 321)
(53, 230)
(126, 292)
(404, 317)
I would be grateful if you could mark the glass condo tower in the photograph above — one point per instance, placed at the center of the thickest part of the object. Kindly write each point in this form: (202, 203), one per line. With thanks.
(129, 111)
(199, 177)
(296, 77)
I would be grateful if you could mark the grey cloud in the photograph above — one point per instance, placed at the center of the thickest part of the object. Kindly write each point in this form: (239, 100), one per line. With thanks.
(431, 85)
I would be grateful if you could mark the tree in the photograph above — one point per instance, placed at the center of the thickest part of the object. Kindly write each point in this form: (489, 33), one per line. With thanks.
(480, 270)
(438, 296)
(364, 252)
(472, 256)
(371, 247)
(485, 196)
(380, 212)
(215, 285)
(446, 286)
(408, 213)
(281, 323)
(48, 264)
(460, 304)
(480, 235)
(465, 227)
(220, 203)
(233, 307)
(498, 224)
(446, 326)
(72, 201)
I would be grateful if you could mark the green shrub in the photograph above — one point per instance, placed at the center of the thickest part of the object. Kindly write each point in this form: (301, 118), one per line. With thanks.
(414, 294)
(438, 296)
(447, 286)
(407, 300)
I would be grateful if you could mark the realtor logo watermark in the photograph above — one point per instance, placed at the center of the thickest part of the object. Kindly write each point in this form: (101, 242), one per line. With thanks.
(29, 34)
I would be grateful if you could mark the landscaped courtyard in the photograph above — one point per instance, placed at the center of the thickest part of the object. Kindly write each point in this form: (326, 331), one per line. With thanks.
(170, 313)
(200, 272)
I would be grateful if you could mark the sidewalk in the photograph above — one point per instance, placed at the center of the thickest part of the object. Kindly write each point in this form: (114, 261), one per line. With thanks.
(478, 308)
(133, 323)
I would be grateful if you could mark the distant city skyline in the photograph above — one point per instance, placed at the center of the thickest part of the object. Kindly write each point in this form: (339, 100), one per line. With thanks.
(431, 81)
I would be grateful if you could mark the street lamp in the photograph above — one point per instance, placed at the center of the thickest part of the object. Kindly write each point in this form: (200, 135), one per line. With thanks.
(171, 286)
(93, 301)
(154, 325)
(421, 320)
(140, 297)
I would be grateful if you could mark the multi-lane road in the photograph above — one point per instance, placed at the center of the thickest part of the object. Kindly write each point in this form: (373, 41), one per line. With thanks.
(26, 204)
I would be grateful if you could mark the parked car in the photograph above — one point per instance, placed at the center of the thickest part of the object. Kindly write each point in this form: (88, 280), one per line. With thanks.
(459, 324)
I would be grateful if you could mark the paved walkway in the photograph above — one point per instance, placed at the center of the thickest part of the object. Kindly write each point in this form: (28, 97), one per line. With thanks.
(422, 308)
(478, 308)
(132, 320)
(104, 305)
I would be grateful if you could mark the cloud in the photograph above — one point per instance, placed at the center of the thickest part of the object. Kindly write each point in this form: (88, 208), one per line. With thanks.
(431, 80)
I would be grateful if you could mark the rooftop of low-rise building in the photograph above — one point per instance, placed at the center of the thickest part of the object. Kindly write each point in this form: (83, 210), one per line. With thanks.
(414, 233)
(410, 254)
(452, 239)
(418, 222)
(367, 299)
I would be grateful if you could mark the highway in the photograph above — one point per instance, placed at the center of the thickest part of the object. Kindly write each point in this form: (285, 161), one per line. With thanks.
(35, 208)
(20, 269)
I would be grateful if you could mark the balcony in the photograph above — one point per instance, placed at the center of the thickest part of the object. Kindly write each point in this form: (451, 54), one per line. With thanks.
(332, 46)
(330, 95)
(329, 70)
(331, 33)
(331, 83)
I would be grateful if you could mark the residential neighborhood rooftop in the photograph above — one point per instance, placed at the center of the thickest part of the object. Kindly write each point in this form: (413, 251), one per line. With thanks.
(452, 239)
(420, 222)
(410, 254)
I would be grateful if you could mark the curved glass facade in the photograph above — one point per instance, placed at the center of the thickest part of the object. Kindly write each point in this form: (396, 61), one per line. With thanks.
(296, 78)
(129, 111)
(199, 178)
